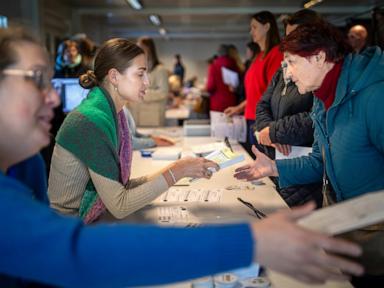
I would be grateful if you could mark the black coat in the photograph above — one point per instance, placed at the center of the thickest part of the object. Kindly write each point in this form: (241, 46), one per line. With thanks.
(286, 115)
(289, 121)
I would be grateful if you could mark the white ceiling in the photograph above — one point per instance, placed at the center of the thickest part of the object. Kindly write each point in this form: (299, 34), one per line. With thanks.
(199, 19)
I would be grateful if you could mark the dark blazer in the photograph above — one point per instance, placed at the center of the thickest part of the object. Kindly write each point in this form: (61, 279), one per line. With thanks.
(289, 121)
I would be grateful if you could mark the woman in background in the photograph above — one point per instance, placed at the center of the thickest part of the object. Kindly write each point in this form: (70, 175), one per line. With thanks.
(265, 33)
(221, 95)
(151, 111)
(70, 63)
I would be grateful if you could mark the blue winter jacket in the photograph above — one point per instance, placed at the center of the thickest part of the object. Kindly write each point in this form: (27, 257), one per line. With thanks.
(351, 132)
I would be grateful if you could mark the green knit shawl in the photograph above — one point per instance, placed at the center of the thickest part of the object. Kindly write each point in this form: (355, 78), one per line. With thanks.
(90, 132)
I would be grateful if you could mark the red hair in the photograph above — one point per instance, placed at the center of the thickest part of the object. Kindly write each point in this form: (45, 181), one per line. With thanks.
(309, 39)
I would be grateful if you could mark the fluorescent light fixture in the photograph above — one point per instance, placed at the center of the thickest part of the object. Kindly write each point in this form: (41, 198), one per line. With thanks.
(155, 19)
(135, 4)
(162, 31)
(311, 3)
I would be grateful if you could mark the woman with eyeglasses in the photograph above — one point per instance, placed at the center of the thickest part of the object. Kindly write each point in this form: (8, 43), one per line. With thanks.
(92, 158)
(265, 33)
(39, 245)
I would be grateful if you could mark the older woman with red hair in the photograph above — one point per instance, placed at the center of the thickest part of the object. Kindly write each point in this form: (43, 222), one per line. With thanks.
(349, 126)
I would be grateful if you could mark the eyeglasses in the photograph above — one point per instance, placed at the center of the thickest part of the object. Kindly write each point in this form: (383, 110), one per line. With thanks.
(40, 78)
(257, 212)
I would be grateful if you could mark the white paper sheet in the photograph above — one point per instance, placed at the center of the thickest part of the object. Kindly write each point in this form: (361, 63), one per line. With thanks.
(178, 195)
(348, 215)
(230, 77)
(235, 128)
(297, 151)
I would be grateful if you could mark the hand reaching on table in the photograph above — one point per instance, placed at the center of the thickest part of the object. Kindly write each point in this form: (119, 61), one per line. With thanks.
(259, 168)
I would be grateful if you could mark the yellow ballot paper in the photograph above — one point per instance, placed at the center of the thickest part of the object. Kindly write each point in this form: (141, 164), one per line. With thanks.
(225, 157)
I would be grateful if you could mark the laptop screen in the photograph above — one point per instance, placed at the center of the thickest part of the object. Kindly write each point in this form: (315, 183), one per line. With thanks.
(70, 91)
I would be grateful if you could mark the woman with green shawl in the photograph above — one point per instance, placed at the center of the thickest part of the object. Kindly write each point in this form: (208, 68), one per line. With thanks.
(91, 162)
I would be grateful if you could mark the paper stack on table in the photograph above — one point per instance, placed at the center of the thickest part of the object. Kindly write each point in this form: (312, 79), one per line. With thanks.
(205, 149)
(235, 127)
(192, 195)
(166, 154)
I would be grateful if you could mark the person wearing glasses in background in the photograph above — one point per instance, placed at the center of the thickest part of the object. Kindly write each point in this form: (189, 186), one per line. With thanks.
(348, 151)
(39, 245)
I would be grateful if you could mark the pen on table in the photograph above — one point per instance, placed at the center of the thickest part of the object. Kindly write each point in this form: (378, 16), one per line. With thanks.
(258, 213)
(226, 141)
(186, 195)
(207, 196)
(165, 196)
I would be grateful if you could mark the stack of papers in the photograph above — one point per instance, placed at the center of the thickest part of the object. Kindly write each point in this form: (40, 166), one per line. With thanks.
(174, 215)
(205, 149)
(166, 154)
(235, 127)
(192, 195)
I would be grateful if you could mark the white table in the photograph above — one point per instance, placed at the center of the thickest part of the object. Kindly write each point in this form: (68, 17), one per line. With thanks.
(229, 209)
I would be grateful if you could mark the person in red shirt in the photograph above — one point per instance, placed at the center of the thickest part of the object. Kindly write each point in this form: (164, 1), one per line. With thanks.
(264, 32)
(222, 95)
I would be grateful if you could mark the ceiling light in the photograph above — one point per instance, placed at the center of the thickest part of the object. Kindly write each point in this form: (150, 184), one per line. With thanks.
(311, 3)
(135, 4)
(162, 31)
(155, 19)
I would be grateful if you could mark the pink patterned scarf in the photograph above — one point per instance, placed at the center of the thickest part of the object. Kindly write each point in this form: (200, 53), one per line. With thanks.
(125, 159)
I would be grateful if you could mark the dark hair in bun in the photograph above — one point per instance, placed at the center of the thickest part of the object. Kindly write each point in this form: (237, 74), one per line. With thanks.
(88, 80)
(116, 53)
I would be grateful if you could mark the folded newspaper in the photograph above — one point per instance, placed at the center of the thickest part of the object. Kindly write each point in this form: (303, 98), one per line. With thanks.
(348, 215)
